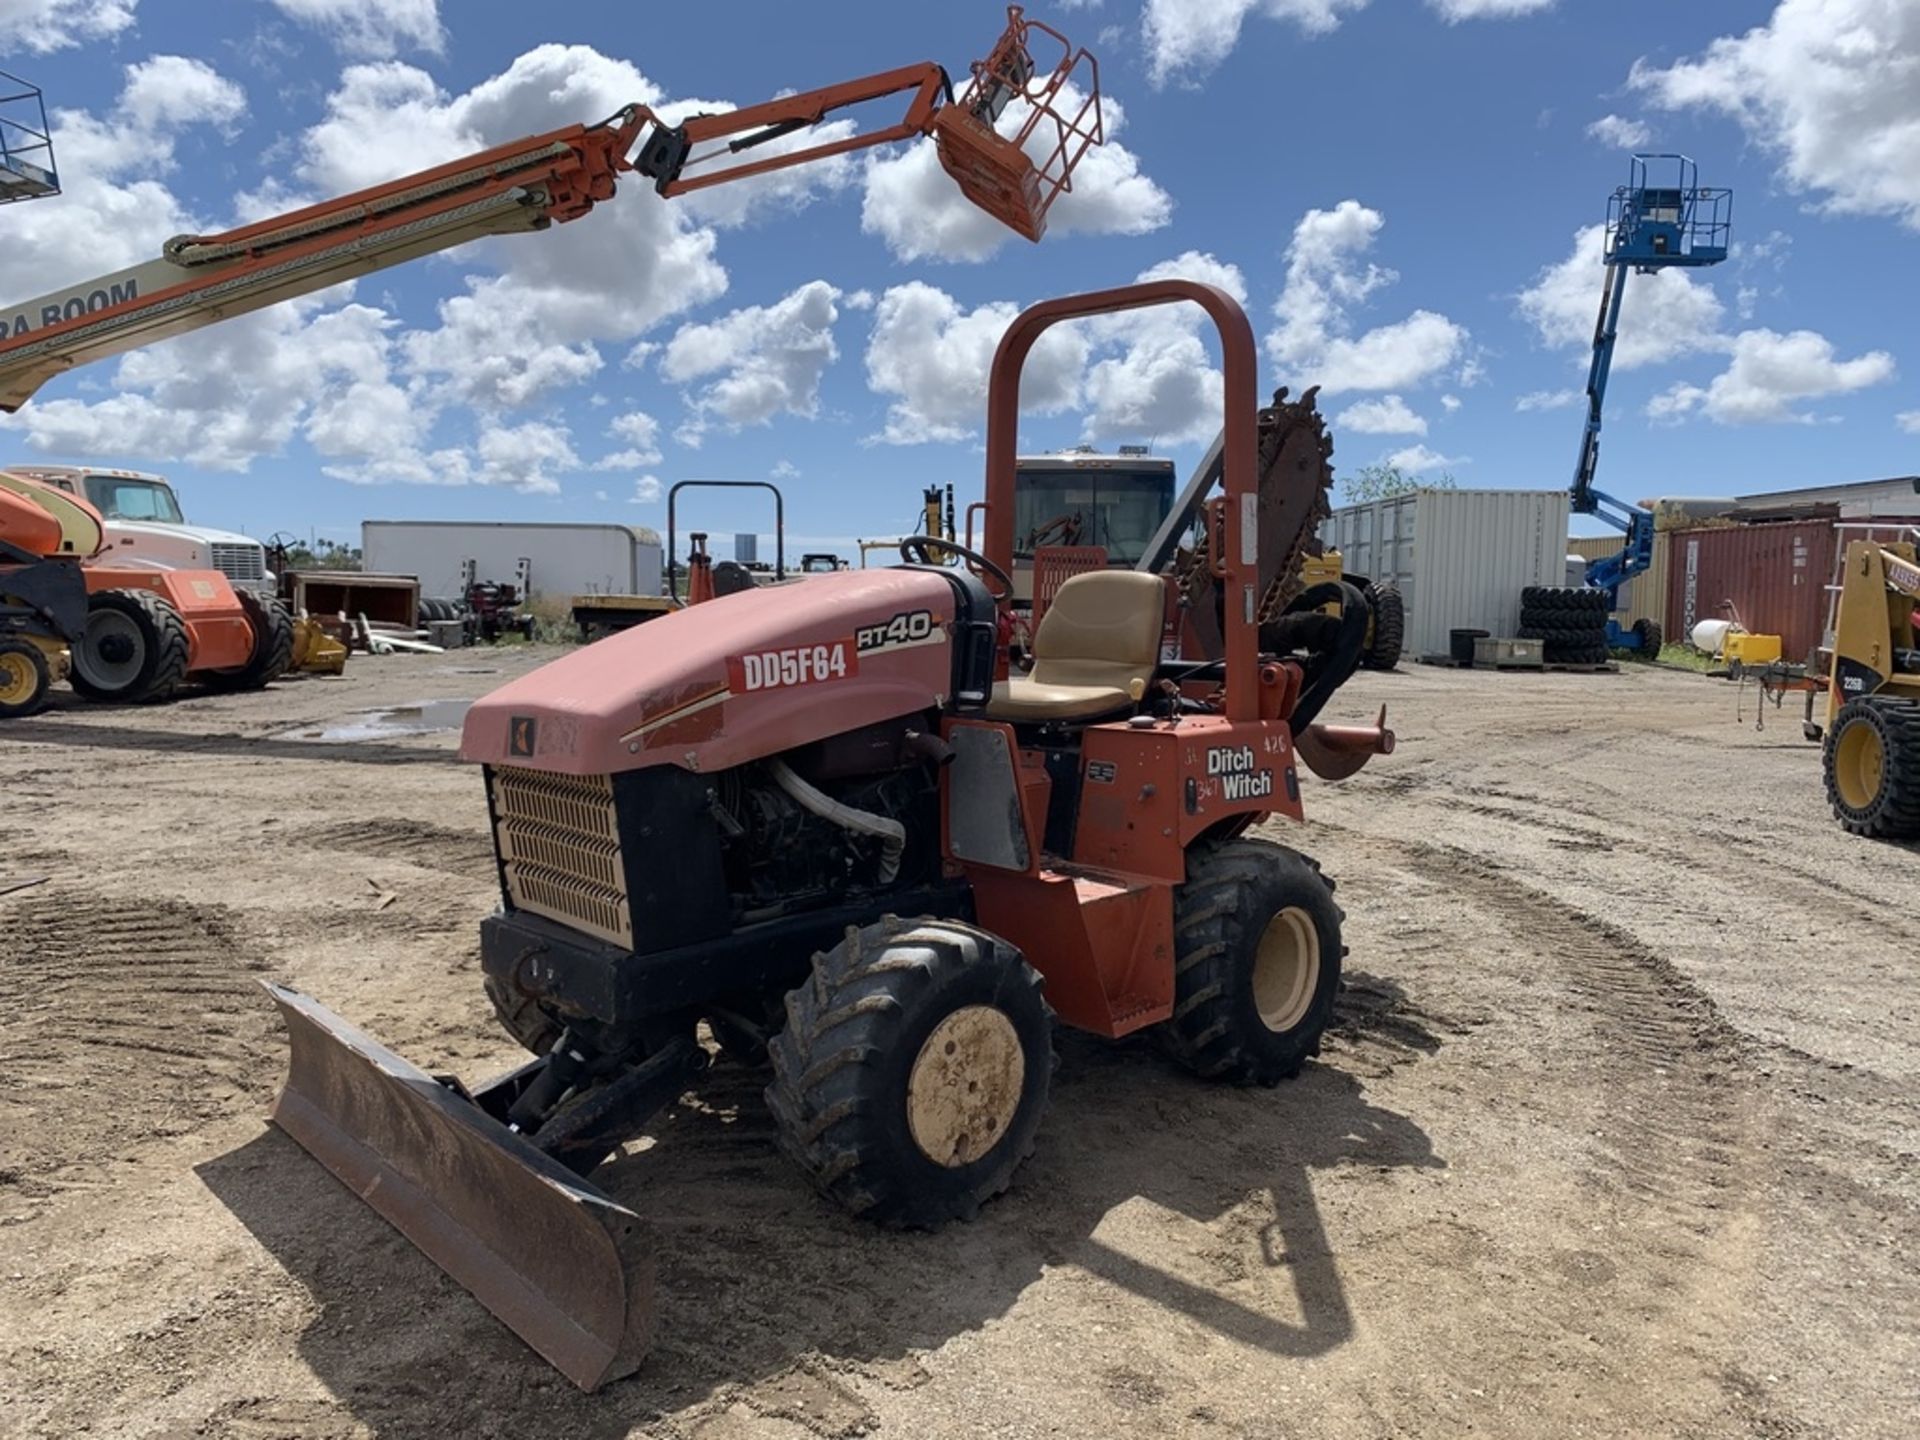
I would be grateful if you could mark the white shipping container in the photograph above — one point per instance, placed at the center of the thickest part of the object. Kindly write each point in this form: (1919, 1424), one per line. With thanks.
(1460, 557)
(566, 559)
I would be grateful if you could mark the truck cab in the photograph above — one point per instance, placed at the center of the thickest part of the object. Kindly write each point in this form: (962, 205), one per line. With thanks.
(144, 522)
(1083, 497)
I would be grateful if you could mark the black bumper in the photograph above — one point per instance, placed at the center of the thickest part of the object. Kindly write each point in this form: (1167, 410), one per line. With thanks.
(583, 978)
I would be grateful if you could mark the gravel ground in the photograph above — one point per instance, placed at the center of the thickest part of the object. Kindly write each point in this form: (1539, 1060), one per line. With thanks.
(1616, 1133)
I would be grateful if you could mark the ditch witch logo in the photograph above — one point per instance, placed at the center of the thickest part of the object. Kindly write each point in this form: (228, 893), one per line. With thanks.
(1234, 765)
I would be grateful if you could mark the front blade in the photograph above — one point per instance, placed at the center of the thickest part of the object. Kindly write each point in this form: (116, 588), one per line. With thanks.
(554, 1258)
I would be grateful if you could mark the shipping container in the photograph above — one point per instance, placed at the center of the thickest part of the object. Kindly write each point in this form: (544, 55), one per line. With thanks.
(1645, 596)
(565, 559)
(1772, 578)
(1460, 557)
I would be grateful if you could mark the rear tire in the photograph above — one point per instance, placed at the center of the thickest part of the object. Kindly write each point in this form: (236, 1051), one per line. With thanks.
(134, 648)
(1872, 765)
(272, 647)
(1257, 957)
(1647, 632)
(913, 1069)
(24, 679)
(1389, 628)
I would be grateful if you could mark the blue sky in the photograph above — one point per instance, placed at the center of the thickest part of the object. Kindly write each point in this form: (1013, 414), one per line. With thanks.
(1403, 190)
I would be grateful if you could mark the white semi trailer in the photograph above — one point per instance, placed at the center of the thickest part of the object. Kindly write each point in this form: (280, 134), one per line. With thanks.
(563, 559)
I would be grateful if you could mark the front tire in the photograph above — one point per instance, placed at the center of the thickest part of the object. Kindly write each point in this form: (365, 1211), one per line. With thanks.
(24, 679)
(1257, 957)
(1647, 632)
(133, 649)
(1872, 764)
(272, 655)
(912, 1072)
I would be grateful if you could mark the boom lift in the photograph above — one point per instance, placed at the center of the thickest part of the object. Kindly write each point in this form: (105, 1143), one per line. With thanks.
(1649, 227)
(560, 176)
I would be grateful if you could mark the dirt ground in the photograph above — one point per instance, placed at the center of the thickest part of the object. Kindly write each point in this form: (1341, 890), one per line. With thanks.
(1618, 1133)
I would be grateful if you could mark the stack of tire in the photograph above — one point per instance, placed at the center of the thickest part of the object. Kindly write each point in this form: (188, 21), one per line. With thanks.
(434, 608)
(1569, 622)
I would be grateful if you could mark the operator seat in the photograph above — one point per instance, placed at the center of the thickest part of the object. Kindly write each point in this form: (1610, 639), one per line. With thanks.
(1099, 639)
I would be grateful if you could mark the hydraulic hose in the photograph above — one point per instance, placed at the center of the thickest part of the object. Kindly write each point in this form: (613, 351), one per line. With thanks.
(1334, 644)
(891, 834)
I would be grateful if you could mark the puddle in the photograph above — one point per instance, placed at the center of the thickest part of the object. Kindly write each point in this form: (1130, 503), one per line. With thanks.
(425, 718)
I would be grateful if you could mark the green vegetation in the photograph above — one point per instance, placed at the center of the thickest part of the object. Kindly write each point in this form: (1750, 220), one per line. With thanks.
(1384, 482)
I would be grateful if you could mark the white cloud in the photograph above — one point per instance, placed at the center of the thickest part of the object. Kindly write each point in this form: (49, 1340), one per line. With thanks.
(1187, 38)
(1455, 11)
(1162, 385)
(1909, 421)
(647, 490)
(1547, 400)
(1419, 459)
(1450, 403)
(1619, 133)
(784, 470)
(1828, 86)
(1327, 278)
(1768, 375)
(642, 434)
(45, 25)
(1388, 415)
(757, 362)
(914, 205)
(932, 355)
(1662, 316)
(378, 28)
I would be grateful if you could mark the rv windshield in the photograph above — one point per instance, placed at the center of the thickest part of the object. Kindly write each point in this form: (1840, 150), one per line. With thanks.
(1114, 507)
(118, 498)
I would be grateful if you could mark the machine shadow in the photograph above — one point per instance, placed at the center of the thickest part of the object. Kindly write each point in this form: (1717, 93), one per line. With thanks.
(757, 1276)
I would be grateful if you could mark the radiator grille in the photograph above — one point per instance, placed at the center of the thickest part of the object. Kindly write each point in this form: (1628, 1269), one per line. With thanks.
(559, 844)
(242, 564)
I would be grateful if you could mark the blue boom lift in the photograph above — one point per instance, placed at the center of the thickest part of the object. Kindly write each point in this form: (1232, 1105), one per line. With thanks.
(1649, 227)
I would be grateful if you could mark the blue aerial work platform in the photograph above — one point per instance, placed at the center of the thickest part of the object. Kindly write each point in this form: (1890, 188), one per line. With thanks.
(26, 144)
(1650, 226)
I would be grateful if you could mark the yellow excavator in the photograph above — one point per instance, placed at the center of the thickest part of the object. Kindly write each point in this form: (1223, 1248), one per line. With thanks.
(1872, 733)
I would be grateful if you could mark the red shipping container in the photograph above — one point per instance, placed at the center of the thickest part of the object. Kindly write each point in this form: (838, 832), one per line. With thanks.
(1776, 576)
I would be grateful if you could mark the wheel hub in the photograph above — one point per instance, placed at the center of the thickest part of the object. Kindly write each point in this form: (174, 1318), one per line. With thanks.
(1860, 766)
(965, 1085)
(1286, 969)
(16, 679)
(112, 651)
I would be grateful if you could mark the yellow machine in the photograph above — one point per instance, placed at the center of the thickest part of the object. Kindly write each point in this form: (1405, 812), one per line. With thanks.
(1386, 627)
(315, 652)
(1872, 760)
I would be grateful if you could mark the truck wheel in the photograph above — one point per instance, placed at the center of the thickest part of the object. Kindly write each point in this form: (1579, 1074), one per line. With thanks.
(1389, 628)
(272, 653)
(1647, 632)
(1872, 765)
(913, 1069)
(24, 679)
(134, 648)
(1256, 963)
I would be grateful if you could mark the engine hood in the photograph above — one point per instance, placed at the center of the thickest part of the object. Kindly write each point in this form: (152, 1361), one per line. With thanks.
(139, 530)
(735, 679)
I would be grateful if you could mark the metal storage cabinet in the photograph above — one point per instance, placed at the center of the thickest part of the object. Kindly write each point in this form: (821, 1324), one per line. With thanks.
(567, 559)
(1460, 557)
